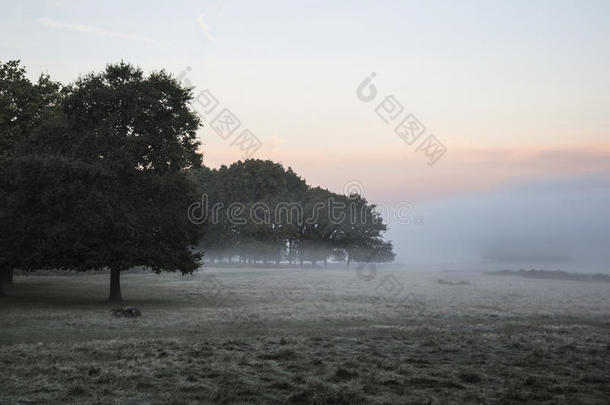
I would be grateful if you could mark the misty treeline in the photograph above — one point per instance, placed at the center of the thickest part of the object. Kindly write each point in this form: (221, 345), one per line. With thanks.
(256, 210)
(100, 174)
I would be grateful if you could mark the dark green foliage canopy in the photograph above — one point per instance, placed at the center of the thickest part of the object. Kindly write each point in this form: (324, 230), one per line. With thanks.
(282, 218)
(24, 105)
(96, 174)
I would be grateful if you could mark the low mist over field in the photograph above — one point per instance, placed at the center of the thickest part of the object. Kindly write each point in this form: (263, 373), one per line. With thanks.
(307, 336)
(543, 224)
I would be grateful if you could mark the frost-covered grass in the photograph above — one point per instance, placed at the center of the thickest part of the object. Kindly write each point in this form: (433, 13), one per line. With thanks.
(305, 336)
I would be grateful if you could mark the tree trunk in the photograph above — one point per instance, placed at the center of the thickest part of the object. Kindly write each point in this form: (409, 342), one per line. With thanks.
(1, 282)
(115, 285)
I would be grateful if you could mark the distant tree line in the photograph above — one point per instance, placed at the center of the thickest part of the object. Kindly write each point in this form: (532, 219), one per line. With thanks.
(257, 211)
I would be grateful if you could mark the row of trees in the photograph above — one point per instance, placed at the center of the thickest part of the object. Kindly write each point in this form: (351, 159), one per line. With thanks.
(101, 174)
(259, 211)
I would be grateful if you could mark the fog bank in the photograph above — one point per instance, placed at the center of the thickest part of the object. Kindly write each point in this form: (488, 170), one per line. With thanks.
(551, 224)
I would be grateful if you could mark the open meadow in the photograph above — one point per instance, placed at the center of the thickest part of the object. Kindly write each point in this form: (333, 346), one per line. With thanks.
(304, 202)
(305, 336)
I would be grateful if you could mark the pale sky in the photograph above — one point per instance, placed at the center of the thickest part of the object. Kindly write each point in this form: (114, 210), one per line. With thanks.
(517, 91)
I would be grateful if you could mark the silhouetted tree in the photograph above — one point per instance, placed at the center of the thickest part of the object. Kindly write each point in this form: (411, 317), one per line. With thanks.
(107, 178)
(24, 107)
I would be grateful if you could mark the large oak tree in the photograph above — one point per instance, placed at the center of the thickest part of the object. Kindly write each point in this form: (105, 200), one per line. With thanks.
(107, 178)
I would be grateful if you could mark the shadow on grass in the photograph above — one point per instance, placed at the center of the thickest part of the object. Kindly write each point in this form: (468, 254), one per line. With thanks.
(75, 290)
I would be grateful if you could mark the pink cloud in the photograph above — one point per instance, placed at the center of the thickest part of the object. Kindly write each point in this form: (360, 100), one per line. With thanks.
(400, 174)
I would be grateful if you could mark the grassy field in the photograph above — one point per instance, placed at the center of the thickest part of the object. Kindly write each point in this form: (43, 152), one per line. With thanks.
(305, 336)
